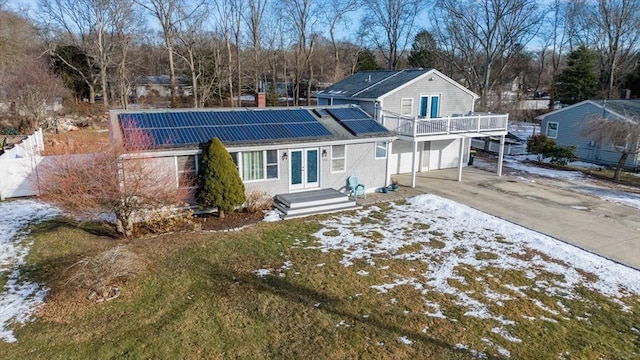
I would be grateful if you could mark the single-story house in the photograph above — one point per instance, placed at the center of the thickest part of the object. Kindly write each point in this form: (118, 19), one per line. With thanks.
(277, 150)
(565, 127)
(431, 114)
(160, 85)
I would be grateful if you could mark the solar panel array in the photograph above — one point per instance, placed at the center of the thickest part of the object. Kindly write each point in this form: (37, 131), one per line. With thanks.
(198, 127)
(357, 121)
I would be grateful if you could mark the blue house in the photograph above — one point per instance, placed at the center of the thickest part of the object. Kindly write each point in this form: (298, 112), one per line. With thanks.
(565, 127)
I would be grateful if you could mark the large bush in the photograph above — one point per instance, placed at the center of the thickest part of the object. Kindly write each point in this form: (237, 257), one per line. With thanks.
(544, 147)
(219, 184)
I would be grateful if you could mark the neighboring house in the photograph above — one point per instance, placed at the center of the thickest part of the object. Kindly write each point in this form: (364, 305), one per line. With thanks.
(160, 85)
(277, 150)
(565, 126)
(432, 115)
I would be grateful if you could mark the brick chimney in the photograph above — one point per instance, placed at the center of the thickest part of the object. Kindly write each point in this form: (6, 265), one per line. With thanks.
(261, 99)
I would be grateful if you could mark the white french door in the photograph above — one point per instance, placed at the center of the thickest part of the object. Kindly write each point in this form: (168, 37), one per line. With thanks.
(304, 169)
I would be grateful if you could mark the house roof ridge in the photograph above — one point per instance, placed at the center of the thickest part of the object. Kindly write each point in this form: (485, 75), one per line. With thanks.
(379, 82)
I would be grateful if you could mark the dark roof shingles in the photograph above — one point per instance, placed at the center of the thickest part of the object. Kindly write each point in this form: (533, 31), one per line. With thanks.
(371, 84)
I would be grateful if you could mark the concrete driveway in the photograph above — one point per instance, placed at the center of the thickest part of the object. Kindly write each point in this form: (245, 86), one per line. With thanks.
(605, 228)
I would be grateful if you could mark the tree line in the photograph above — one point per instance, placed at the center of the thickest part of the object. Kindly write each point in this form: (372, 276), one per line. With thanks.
(564, 50)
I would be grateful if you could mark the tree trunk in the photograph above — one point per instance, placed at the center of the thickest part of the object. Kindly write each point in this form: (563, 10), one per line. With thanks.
(221, 214)
(172, 75)
(620, 166)
(124, 224)
(230, 71)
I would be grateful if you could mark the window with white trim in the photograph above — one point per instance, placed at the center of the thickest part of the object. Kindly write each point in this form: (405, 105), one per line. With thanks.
(187, 170)
(406, 107)
(381, 150)
(272, 164)
(256, 165)
(338, 158)
(429, 106)
(552, 130)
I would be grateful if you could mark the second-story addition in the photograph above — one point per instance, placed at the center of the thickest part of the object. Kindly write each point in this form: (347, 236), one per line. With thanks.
(432, 116)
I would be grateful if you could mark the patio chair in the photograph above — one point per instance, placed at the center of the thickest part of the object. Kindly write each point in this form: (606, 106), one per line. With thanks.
(356, 188)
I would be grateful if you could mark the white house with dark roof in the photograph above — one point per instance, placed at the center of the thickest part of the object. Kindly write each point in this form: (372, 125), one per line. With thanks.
(565, 126)
(310, 152)
(431, 115)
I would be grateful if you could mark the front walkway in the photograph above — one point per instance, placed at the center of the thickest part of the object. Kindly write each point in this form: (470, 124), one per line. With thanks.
(602, 227)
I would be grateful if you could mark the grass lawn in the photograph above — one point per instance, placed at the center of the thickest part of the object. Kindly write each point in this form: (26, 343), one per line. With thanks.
(384, 282)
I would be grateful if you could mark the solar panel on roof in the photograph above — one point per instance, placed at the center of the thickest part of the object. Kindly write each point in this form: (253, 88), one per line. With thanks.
(197, 127)
(357, 121)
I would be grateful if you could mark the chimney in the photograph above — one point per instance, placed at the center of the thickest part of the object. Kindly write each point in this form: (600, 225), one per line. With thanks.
(625, 94)
(261, 99)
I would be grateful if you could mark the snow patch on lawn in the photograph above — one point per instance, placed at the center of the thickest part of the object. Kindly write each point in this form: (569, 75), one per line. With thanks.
(18, 298)
(449, 237)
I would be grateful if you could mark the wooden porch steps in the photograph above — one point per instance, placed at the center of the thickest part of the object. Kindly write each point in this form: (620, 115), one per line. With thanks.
(313, 202)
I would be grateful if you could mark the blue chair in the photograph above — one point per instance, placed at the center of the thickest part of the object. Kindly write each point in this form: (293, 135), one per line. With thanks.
(356, 188)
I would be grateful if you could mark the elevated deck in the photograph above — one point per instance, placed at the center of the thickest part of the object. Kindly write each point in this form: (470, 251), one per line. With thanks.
(469, 126)
(313, 202)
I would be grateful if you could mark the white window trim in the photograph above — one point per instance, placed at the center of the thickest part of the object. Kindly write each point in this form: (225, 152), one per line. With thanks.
(439, 96)
(344, 159)
(386, 150)
(429, 104)
(180, 172)
(410, 106)
(546, 132)
(264, 165)
(267, 164)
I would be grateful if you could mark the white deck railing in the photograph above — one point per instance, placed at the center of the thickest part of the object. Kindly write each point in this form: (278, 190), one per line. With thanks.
(415, 127)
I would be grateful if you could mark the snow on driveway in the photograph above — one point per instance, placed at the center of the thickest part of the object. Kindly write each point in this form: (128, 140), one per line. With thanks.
(18, 298)
(572, 180)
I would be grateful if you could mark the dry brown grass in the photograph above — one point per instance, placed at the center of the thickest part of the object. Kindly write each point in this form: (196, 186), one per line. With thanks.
(258, 201)
(85, 141)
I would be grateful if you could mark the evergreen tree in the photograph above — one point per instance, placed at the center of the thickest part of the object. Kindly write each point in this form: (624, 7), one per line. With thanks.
(219, 184)
(578, 81)
(367, 61)
(422, 51)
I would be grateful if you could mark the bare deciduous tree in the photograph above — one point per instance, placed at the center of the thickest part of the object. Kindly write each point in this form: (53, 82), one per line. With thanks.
(120, 181)
(32, 88)
(334, 13)
(389, 26)
(191, 37)
(616, 24)
(623, 135)
(303, 17)
(485, 33)
(94, 27)
(254, 18)
(170, 14)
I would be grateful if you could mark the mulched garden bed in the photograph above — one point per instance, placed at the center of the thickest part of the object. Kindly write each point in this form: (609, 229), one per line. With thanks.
(230, 221)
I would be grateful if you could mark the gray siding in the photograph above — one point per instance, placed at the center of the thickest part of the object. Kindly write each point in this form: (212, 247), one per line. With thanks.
(453, 100)
(360, 162)
(569, 127)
